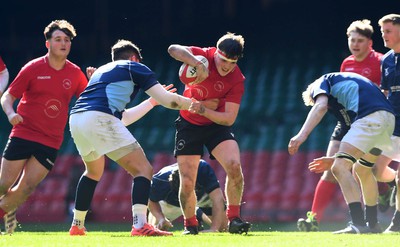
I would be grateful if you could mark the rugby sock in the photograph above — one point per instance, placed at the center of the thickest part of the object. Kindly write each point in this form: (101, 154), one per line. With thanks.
(140, 190)
(322, 196)
(84, 193)
(2, 213)
(140, 197)
(371, 215)
(233, 211)
(79, 218)
(139, 212)
(192, 221)
(357, 213)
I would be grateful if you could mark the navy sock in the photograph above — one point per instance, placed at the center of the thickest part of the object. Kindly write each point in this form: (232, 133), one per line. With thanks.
(357, 213)
(84, 193)
(371, 215)
(140, 190)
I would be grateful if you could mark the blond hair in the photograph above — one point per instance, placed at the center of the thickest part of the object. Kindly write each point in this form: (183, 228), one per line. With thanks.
(362, 27)
(306, 95)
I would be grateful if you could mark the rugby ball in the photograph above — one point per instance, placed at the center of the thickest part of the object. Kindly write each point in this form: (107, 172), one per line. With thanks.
(187, 73)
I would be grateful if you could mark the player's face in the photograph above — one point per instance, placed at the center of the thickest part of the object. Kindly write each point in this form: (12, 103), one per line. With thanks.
(224, 67)
(359, 45)
(391, 36)
(60, 44)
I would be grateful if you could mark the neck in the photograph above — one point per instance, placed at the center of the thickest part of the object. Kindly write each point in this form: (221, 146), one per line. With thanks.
(56, 62)
(361, 57)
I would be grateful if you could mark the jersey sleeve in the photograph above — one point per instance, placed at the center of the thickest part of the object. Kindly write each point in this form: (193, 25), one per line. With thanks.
(21, 82)
(2, 65)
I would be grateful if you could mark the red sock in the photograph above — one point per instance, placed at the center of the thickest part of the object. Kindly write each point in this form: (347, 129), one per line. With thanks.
(192, 221)
(322, 196)
(2, 213)
(233, 211)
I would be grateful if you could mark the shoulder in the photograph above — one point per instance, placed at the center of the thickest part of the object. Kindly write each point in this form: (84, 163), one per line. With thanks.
(348, 59)
(376, 54)
(388, 55)
(36, 62)
(71, 65)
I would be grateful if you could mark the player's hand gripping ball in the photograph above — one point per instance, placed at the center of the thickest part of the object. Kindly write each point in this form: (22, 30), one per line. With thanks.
(187, 73)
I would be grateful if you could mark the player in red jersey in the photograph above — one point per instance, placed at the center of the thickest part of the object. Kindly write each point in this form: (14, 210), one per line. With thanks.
(201, 126)
(4, 76)
(364, 60)
(45, 87)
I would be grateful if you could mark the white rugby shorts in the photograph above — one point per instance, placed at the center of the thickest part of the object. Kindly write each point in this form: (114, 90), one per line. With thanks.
(373, 130)
(394, 153)
(96, 133)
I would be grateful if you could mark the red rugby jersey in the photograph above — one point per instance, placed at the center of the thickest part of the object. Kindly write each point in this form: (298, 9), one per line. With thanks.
(370, 67)
(229, 88)
(45, 94)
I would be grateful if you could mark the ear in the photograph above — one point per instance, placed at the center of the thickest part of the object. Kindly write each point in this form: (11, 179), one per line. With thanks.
(370, 43)
(47, 44)
(134, 58)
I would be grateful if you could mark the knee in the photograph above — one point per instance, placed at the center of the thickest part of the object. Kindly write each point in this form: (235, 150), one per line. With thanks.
(336, 170)
(187, 184)
(234, 170)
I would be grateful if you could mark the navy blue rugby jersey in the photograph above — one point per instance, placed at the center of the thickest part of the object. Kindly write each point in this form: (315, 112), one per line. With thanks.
(161, 190)
(350, 95)
(113, 85)
(390, 66)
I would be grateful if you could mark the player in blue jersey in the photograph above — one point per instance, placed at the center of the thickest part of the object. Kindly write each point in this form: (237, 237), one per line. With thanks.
(164, 204)
(97, 130)
(390, 65)
(355, 99)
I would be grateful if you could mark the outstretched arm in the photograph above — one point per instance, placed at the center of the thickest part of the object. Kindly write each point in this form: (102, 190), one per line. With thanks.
(168, 99)
(135, 113)
(315, 115)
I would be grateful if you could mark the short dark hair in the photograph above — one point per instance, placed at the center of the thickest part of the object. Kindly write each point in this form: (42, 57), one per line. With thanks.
(61, 25)
(232, 45)
(174, 180)
(124, 49)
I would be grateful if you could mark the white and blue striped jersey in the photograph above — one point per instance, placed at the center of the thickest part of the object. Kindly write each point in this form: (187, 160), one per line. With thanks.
(113, 85)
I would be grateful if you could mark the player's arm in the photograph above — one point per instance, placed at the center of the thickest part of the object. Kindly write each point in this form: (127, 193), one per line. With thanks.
(227, 118)
(162, 222)
(4, 76)
(168, 99)
(135, 113)
(7, 103)
(315, 115)
(218, 219)
(185, 55)
(319, 165)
